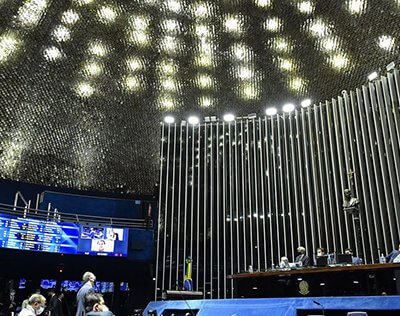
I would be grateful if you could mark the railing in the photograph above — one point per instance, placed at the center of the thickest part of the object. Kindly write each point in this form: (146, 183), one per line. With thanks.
(53, 215)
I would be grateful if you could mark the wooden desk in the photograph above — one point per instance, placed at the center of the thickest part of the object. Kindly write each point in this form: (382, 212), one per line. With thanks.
(308, 270)
(368, 279)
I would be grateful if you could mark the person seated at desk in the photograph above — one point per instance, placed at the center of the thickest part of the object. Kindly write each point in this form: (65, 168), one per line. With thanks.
(394, 256)
(355, 260)
(302, 258)
(284, 263)
(320, 252)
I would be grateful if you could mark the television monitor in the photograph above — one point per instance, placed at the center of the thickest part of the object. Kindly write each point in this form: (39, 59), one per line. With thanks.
(342, 258)
(22, 284)
(48, 284)
(70, 286)
(68, 238)
(104, 287)
(74, 286)
(124, 287)
(322, 261)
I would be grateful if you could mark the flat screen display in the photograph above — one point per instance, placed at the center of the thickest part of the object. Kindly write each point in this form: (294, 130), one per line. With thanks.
(74, 286)
(47, 236)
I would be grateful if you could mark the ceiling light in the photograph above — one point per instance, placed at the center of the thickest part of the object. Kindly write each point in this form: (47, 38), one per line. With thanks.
(70, 17)
(52, 53)
(305, 103)
(288, 107)
(391, 66)
(193, 120)
(305, 7)
(271, 111)
(9, 43)
(386, 42)
(372, 76)
(169, 119)
(229, 117)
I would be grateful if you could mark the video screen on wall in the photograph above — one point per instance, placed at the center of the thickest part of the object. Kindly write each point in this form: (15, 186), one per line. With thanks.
(47, 236)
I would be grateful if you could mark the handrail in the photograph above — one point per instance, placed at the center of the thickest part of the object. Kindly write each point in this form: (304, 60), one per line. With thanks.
(56, 216)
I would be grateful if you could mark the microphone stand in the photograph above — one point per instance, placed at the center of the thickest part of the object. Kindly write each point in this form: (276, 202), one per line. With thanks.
(322, 307)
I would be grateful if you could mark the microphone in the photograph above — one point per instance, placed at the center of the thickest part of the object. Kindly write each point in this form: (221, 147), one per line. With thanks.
(322, 306)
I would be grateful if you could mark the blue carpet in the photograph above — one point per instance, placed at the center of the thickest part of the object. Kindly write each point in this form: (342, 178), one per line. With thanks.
(279, 306)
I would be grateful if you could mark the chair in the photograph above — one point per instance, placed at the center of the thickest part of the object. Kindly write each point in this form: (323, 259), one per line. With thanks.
(357, 314)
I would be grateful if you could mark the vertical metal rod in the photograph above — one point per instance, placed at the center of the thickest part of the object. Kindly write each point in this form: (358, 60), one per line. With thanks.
(300, 168)
(192, 184)
(268, 155)
(243, 195)
(218, 211)
(205, 214)
(178, 234)
(297, 209)
(198, 158)
(166, 208)
(37, 202)
(275, 186)
(230, 184)
(211, 208)
(292, 228)
(224, 205)
(237, 199)
(250, 196)
(186, 202)
(171, 236)
(281, 214)
(255, 150)
(308, 180)
(262, 176)
(160, 207)
(320, 153)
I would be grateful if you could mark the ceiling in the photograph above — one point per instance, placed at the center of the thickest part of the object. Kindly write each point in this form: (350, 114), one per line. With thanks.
(85, 83)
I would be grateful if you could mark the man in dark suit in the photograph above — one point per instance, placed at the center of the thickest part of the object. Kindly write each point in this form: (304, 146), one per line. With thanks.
(302, 257)
(54, 304)
(89, 280)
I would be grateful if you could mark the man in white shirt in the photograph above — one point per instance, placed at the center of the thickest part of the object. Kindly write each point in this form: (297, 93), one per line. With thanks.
(36, 306)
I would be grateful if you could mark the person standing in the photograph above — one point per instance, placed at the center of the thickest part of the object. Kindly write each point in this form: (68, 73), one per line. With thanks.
(89, 280)
(54, 304)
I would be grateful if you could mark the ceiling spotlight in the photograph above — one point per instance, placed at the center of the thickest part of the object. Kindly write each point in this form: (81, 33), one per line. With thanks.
(288, 107)
(193, 120)
(390, 66)
(305, 103)
(271, 111)
(372, 76)
(229, 117)
(169, 119)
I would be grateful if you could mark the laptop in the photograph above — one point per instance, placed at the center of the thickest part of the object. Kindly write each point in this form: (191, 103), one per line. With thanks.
(322, 261)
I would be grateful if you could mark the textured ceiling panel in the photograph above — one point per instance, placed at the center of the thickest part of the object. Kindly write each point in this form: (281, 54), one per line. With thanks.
(84, 83)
